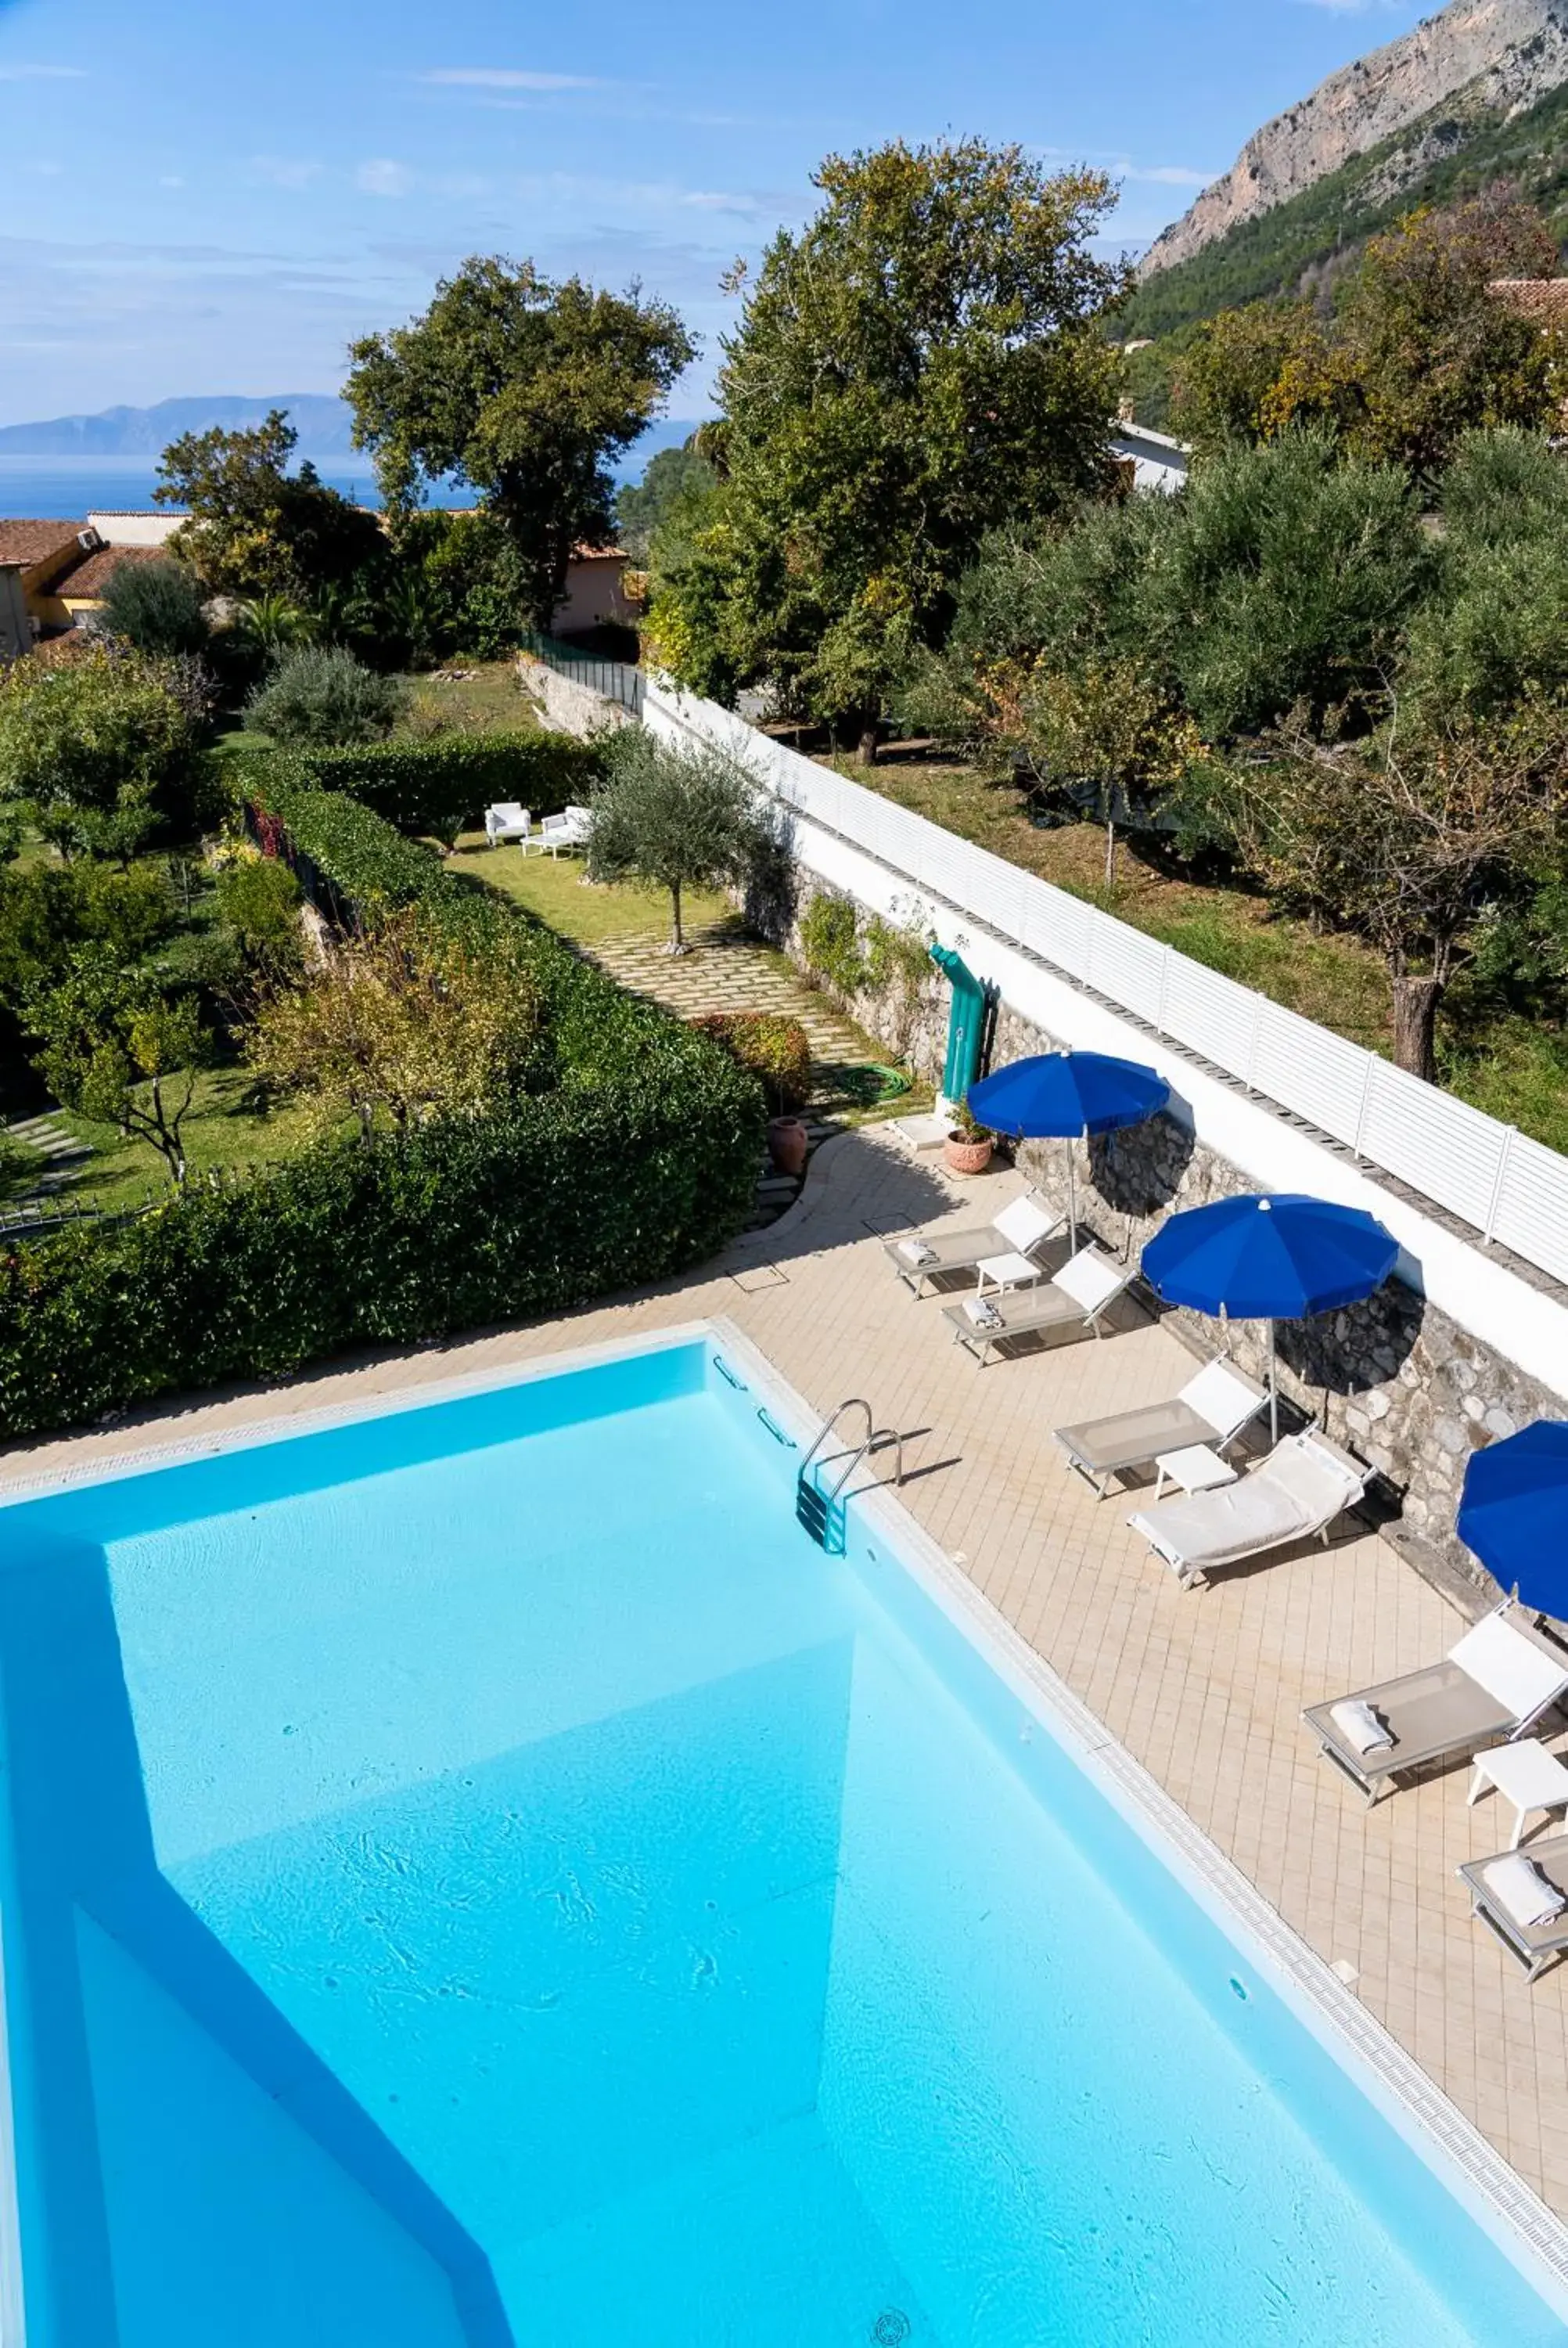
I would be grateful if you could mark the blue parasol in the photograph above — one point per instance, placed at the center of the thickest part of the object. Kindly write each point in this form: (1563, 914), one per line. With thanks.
(1066, 1094)
(1514, 1513)
(1276, 1259)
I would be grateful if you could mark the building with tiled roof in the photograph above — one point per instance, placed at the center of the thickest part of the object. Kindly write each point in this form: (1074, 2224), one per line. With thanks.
(56, 571)
(1544, 299)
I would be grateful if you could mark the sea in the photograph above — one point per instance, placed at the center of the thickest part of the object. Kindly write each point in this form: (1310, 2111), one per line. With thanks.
(51, 488)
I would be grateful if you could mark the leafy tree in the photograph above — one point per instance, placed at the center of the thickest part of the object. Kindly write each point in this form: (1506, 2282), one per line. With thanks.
(1494, 631)
(1285, 575)
(48, 910)
(320, 694)
(157, 607)
(641, 508)
(256, 529)
(1037, 599)
(1433, 354)
(259, 901)
(672, 819)
(923, 361)
(526, 388)
(1111, 727)
(1417, 353)
(1409, 836)
(117, 1048)
(1250, 373)
(102, 751)
(404, 1023)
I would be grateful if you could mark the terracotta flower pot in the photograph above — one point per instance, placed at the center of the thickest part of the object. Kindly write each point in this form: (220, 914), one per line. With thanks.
(967, 1156)
(788, 1146)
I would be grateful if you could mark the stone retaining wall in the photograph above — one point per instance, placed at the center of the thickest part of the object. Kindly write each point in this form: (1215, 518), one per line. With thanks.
(1394, 1380)
(569, 707)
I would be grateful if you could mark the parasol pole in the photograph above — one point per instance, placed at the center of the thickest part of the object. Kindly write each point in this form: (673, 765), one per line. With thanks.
(1072, 1200)
(1272, 1388)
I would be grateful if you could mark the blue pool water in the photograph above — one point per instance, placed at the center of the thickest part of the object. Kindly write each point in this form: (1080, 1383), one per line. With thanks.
(481, 1876)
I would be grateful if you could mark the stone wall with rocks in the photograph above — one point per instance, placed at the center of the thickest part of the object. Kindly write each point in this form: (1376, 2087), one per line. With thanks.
(569, 707)
(1394, 1380)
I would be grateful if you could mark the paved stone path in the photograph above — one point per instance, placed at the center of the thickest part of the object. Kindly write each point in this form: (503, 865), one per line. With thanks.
(58, 1149)
(728, 971)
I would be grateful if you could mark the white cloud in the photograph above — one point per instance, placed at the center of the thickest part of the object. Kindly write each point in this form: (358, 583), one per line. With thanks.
(381, 177)
(285, 170)
(504, 78)
(1172, 175)
(41, 73)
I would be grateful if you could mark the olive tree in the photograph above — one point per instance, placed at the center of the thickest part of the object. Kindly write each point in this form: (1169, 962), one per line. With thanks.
(675, 820)
(1410, 837)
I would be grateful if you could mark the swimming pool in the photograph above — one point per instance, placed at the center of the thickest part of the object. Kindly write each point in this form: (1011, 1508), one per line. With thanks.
(479, 1874)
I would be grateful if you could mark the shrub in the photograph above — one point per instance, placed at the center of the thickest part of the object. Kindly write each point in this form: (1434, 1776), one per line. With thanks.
(776, 1050)
(158, 607)
(320, 694)
(830, 940)
(440, 787)
(104, 753)
(641, 1160)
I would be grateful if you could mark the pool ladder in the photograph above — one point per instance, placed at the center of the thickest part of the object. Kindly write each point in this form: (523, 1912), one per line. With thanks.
(817, 1504)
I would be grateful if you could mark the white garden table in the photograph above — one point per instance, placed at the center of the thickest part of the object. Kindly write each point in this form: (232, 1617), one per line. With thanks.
(1527, 1774)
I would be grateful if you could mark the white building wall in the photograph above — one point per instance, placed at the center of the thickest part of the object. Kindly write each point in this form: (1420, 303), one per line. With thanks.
(1525, 1324)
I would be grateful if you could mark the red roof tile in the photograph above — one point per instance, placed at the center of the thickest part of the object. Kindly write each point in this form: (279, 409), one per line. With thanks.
(86, 580)
(32, 542)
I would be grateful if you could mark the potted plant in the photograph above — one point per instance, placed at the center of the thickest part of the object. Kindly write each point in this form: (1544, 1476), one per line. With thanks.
(968, 1145)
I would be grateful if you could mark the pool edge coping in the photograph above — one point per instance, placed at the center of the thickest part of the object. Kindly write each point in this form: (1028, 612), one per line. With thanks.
(1525, 2228)
(1517, 2219)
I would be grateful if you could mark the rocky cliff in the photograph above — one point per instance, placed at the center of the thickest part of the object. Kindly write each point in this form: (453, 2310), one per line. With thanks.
(1494, 58)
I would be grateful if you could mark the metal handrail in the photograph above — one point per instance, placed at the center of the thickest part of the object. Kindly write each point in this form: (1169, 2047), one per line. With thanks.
(827, 1425)
(874, 1436)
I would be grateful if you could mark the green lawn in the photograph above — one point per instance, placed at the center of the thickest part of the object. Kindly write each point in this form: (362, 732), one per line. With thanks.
(487, 699)
(221, 1131)
(1514, 1069)
(553, 888)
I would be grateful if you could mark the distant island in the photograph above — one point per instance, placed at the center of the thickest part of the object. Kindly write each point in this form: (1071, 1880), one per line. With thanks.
(320, 419)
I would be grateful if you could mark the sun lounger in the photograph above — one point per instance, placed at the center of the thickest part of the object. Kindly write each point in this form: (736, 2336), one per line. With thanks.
(1078, 1296)
(1494, 1685)
(1022, 1229)
(506, 820)
(1521, 1898)
(1299, 1489)
(568, 829)
(1212, 1408)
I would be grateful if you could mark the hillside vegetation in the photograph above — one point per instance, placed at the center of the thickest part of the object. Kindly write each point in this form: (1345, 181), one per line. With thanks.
(1302, 246)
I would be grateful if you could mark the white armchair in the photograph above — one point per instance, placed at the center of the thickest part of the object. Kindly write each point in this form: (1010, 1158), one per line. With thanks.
(507, 821)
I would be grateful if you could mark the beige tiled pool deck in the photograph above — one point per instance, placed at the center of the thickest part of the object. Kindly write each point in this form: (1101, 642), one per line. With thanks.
(1205, 1688)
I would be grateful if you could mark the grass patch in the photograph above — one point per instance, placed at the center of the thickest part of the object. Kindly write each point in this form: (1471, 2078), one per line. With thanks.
(223, 1133)
(553, 888)
(487, 699)
(1515, 1069)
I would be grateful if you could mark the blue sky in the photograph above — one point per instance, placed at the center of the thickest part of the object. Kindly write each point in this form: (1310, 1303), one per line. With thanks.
(208, 198)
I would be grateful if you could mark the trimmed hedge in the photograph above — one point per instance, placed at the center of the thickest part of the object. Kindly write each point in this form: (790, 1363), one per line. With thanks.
(639, 1160)
(441, 786)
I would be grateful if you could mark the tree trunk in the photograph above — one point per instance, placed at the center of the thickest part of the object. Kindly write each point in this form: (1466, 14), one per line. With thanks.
(1110, 854)
(866, 744)
(677, 934)
(1415, 1000)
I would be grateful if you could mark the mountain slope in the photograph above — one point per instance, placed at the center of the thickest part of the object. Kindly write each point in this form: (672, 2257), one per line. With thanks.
(322, 422)
(1452, 150)
(1503, 56)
